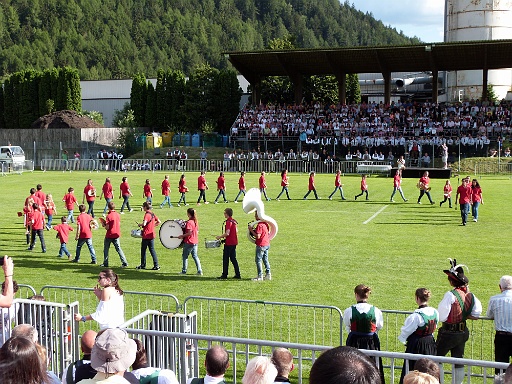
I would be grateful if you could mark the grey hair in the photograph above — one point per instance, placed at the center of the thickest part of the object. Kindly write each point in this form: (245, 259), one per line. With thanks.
(506, 282)
(25, 330)
(260, 370)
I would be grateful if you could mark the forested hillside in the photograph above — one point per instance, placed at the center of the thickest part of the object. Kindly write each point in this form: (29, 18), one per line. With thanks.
(110, 39)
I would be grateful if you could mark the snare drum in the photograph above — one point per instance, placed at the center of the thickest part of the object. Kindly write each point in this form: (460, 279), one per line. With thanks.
(169, 232)
(212, 243)
(136, 233)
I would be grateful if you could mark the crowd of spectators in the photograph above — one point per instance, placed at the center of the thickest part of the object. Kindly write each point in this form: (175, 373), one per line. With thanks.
(400, 128)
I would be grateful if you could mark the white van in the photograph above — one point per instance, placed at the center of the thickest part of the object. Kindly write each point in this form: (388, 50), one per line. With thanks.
(12, 154)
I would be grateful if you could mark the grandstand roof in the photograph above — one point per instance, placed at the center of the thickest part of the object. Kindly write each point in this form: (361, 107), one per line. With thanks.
(419, 57)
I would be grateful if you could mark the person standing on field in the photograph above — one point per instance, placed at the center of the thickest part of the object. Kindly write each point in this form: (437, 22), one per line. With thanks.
(465, 193)
(311, 186)
(84, 235)
(230, 236)
(147, 192)
(202, 186)
(148, 237)
(241, 186)
(89, 196)
(262, 241)
(221, 187)
(166, 192)
(108, 193)
(337, 186)
(113, 227)
(125, 193)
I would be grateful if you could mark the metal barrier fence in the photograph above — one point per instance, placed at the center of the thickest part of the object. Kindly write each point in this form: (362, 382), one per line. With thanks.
(242, 350)
(134, 302)
(499, 167)
(18, 169)
(68, 165)
(55, 326)
(267, 320)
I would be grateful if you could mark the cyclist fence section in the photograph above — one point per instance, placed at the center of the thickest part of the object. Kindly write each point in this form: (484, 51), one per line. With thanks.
(55, 326)
(480, 345)
(134, 302)
(267, 320)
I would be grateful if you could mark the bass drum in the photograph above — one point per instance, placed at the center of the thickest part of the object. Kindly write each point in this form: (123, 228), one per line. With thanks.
(169, 232)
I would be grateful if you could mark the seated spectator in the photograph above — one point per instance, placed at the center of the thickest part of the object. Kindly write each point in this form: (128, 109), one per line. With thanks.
(43, 355)
(216, 363)
(428, 366)
(113, 353)
(416, 377)
(283, 361)
(144, 373)
(25, 330)
(81, 369)
(260, 370)
(493, 153)
(507, 152)
(344, 365)
(20, 362)
(425, 160)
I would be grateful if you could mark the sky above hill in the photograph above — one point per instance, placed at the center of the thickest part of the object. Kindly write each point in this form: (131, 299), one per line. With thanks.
(424, 18)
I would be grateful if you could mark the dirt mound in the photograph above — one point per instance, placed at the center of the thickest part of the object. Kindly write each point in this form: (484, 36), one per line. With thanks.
(65, 119)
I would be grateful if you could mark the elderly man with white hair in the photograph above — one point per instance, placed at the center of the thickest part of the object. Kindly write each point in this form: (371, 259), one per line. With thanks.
(500, 309)
(260, 370)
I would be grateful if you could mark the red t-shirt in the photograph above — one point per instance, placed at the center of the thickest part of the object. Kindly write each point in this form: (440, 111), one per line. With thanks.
(63, 231)
(192, 227)
(201, 183)
(364, 186)
(35, 198)
(166, 187)
(447, 190)
(41, 196)
(397, 181)
(476, 194)
(37, 220)
(147, 190)
(86, 192)
(262, 230)
(263, 184)
(107, 191)
(337, 181)
(84, 229)
(221, 182)
(464, 194)
(425, 181)
(125, 189)
(232, 238)
(241, 183)
(182, 186)
(284, 180)
(70, 200)
(148, 231)
(50, 208)
(311, 184)
(113, 220)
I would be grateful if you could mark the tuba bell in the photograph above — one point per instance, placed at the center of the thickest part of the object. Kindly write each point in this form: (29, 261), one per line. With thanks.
(252, 203)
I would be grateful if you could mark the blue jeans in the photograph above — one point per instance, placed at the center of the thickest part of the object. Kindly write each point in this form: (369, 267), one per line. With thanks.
(242, 191)
(423, 192)
(311, 190)
(107, 200)
(474, 209)
(89, 245)
(167, 200)
(399, 189)
(49, 222)
(117, 246)
(187, 250)
(63, 250)
(221, 193)
(337, 189)
(149, 200)
(262, 255)
(264, 191)
(71, 219)
(464, 211)
(126, 202)
(285, 189)
(148, 243)
(90, 211)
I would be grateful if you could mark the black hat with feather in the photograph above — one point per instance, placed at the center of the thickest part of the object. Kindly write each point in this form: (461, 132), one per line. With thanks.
(456, 273)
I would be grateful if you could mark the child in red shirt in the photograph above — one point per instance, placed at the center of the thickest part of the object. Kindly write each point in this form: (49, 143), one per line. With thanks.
(69, 200)
(447, 193)
(364, 188)
(63, 235)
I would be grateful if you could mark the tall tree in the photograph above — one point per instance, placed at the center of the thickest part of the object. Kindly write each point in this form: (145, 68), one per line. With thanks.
(138, 98)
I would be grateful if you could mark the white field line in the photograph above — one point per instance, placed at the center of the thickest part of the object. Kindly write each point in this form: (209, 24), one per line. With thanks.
(376, 214)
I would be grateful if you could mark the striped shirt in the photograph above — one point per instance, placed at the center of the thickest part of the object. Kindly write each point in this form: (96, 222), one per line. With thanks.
(500, 309)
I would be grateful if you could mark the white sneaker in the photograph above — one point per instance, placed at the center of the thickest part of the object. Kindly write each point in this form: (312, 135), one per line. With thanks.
(122, 213)
(178, 205)
(268, 276)
(131, 210)
(236, 202)
(475, 220)
(259, 278)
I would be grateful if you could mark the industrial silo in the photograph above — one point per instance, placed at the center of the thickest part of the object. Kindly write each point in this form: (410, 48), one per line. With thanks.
(467, 20)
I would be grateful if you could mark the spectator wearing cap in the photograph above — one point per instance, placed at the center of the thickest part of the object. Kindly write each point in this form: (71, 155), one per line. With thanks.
(455, 308)
(113, 353)
(500, 309)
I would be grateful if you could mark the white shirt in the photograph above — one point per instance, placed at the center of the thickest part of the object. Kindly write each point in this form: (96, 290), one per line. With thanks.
(110, 314)
(500, 309)
(209, 379)
(362, 308)
(445, 306)
(165, 376)
(414, 321)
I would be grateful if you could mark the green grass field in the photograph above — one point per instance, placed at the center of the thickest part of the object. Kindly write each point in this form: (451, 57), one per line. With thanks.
(323, 248)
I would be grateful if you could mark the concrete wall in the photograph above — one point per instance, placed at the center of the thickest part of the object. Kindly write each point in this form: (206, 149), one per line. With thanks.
(41, 144)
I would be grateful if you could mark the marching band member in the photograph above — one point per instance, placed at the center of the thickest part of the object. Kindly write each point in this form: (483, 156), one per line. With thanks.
(89, 196)
(108, 193)
(202, 186)
(262, 241)
(284, 183)
(37, 225)
(447, 193)
(418, 329)
(476, 199)
(148, 237)
(397, 186)
(147, 193)
(423, 185)
(221, 187)
(311, 186)
(166, 192)
(364, 188)
(241, 186)
(231, 240)
(190, 241)
(113, 226)
(182, 188)
(337, 186)
(263, 185)
(84, 234)
(465, 193)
